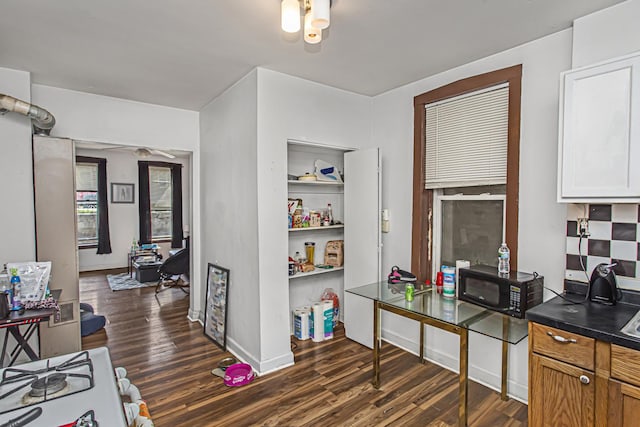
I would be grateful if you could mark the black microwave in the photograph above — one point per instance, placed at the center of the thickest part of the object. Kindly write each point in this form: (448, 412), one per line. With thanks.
(511, 294)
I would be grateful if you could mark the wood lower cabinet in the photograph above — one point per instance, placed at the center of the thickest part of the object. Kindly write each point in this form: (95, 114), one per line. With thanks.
(624, 387)
(563, 394)
(624, 404)
(579, 381)
(560, 392)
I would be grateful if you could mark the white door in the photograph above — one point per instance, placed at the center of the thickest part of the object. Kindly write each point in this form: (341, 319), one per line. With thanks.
(362, 239)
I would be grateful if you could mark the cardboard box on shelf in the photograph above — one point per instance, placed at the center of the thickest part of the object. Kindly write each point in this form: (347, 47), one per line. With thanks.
(334, 253)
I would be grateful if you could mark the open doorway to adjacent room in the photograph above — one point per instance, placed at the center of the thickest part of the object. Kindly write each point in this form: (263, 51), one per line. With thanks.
(119, 280)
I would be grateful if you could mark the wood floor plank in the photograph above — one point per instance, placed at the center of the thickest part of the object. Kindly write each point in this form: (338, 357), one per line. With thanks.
(170, 360)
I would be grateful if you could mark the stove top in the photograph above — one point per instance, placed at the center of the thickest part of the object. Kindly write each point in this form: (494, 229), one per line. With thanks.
(65, 388)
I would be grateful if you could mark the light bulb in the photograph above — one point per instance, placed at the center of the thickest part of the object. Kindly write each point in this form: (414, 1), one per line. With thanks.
(311, 35)
(290, 16)
(320, 13)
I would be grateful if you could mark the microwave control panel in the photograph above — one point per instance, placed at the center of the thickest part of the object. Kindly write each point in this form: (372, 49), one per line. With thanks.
(514, 298)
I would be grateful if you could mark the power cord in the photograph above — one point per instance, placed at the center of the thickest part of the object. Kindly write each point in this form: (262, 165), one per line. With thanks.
(565, 298)
(584, 269)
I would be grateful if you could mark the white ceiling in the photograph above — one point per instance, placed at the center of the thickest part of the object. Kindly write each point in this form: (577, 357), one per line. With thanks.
(184, 53)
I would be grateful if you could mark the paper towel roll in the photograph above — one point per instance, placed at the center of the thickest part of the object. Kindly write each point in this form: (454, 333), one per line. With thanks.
(301, 323)
(328, 319)
(318, 322)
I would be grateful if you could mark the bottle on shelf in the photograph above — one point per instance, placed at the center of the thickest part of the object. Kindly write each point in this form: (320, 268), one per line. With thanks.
(504, 255)
(330, 213)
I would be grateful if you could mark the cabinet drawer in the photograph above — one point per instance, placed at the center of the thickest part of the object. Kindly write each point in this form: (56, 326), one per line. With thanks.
(565, 346)
(625, 364)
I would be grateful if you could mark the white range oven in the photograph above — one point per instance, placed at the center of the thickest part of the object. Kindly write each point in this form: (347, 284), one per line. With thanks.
(77, 389)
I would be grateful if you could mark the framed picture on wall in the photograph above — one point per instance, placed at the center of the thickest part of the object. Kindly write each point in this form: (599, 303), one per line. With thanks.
(122, 193)
(215, 313)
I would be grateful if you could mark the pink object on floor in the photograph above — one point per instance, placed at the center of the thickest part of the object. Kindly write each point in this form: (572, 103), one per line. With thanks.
(238, 374)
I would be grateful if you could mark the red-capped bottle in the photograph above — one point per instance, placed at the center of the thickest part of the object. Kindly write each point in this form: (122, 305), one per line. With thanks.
(439, 282)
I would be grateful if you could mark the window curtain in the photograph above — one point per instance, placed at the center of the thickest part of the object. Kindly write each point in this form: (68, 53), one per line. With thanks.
(176, 206)
(104, 239)
(144, 203)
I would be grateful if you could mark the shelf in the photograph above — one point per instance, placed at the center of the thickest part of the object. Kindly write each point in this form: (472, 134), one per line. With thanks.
(316, 271)
(326, 227)
(320, 183)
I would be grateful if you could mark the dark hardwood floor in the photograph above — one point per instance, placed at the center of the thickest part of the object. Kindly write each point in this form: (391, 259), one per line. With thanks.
(170, 360)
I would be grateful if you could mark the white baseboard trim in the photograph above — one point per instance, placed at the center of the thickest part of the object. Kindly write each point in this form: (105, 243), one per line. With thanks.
(195, 316)
(261, 367)
(516, 391)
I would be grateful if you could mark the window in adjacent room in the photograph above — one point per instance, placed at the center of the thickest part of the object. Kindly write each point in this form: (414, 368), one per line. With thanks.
(466, 164)
(160, 202)
(160, 199)
(87, 203)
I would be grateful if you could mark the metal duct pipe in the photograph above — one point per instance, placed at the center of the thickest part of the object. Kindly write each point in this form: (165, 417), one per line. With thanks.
(42, 120)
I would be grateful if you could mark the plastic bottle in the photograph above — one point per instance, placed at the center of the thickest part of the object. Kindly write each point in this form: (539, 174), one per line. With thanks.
(330, 213)
(439, 282)
(15, 285)
(504, 255)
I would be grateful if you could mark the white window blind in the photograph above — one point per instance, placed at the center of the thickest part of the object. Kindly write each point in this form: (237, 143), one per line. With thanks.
(160, 198)
(466, 139)
(86, 177)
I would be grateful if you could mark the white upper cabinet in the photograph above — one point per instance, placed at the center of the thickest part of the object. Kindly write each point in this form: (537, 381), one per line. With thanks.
(599, 133)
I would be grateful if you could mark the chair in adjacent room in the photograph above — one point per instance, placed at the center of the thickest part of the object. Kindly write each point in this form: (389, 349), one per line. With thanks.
(172, 271)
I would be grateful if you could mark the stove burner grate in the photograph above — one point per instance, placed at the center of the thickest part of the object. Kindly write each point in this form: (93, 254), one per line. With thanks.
(48, 382)
(48, 385)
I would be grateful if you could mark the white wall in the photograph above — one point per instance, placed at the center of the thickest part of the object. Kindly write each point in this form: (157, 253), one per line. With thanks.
(122, 166)
(292, 108)
(606, 34)
(228, 127)
(541, 244)
(89, 117)
(16, 216)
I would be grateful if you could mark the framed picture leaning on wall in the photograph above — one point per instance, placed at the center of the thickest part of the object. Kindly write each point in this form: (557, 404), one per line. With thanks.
(215, 313)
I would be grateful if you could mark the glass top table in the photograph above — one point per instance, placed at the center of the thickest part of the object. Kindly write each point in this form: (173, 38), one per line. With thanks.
(449, 314)
(449, 310)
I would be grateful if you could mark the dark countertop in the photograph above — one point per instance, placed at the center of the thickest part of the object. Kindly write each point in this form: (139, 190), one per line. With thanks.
(593, 320)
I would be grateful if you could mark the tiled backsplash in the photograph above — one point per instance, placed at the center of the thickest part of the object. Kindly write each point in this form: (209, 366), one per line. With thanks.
(614, 237)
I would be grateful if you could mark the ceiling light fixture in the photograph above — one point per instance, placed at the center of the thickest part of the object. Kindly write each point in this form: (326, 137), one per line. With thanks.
(317, 17)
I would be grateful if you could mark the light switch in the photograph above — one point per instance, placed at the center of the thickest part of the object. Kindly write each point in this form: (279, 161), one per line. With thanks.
(385, 221)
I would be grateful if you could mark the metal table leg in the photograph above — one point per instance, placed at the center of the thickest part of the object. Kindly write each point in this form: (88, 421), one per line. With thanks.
(376, 344)
(464, 373)
(422, 342)
(505, 358)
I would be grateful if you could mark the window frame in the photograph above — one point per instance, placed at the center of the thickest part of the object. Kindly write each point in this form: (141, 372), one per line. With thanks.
(167, 238)
(423, 200)
(94, 242)
(439, 197)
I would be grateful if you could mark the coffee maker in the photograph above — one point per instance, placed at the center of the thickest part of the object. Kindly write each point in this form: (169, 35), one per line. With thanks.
(603, 288)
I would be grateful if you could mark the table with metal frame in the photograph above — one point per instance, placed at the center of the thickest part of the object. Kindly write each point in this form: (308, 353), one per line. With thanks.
(29, 318)
(448, 314)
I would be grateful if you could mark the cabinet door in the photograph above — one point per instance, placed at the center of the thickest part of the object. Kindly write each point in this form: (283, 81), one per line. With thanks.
(624, 404)
(362, 239)
(599, 150)
(561, 394)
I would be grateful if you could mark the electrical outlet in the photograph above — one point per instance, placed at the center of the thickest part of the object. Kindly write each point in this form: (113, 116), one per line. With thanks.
(583, 227)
